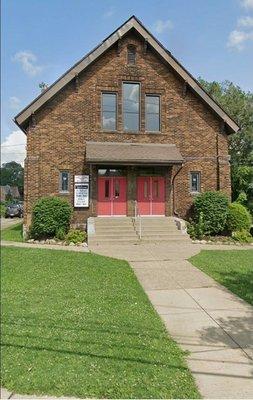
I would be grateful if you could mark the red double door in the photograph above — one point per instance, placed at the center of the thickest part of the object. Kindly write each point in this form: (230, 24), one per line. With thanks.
(112, 195)
(151, 195)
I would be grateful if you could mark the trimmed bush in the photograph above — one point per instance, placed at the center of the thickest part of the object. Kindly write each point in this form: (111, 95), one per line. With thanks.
(242, 236)
(213, 206)
(196, 229)
(75, 236)
(49, 215)
(238, 218)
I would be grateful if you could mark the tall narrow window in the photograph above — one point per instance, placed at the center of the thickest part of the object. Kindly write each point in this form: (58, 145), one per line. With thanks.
(131, 106)
(152, 113)
(109, 111)
(195, 182)
(64, 182)
(131, 54)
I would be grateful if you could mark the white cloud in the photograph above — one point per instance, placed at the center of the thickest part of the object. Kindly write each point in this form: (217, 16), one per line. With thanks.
(28, 61)
(162, 26)
(247, 3)
(13, 148)
(245, 22)
(237, 39)
(14, 102)
(109, 13)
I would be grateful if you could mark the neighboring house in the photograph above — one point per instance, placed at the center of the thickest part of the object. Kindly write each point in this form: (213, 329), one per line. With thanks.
(11, 190)
(134, 121)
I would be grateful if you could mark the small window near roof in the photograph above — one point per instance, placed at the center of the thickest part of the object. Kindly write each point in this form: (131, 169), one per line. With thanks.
(64, 182)
(131, 55)
(195, 182)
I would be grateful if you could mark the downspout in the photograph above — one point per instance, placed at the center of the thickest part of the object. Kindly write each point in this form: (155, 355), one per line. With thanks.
(173, 189)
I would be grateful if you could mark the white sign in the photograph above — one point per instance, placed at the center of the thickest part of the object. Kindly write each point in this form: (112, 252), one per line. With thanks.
(81, 191)
(81, 178)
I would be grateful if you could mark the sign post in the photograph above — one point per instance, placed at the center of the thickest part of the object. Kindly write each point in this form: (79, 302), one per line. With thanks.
(81, 191)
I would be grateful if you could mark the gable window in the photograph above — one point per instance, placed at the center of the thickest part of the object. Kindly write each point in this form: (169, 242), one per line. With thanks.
(195, 182)
(152, 113)
(131, 55)
(64, 182)
(131, 106)
(109, 111)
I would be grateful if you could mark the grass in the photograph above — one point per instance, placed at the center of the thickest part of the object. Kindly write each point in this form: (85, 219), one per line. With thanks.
(78, 324)
(231, 268)
(13, 233)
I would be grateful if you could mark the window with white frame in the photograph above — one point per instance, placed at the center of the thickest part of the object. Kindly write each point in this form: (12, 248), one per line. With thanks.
(195, 182)
(64, 182)
(152, 113)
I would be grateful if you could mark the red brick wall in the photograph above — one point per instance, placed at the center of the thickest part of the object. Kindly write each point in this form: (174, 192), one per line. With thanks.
(62, 127)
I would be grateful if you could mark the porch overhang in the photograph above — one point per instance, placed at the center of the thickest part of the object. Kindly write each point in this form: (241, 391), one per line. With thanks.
(116, 153)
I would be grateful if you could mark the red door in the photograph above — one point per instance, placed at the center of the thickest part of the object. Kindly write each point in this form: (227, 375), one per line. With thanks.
(151, 195)
(111, 196)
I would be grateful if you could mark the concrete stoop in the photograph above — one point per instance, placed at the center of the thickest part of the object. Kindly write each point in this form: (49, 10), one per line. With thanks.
(123, 230)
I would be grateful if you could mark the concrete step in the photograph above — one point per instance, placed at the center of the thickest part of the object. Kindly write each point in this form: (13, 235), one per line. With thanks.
(115, 236)
(159, 228)
(161, 234)
(110, 230)
(106, 241)
(164, 238)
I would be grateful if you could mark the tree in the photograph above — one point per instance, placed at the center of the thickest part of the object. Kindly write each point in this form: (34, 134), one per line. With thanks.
(239, 105)
(12, 174)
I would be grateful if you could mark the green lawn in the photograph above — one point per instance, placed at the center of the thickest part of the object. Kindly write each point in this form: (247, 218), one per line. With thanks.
(231, 268)
(14, 233)
(78, 324)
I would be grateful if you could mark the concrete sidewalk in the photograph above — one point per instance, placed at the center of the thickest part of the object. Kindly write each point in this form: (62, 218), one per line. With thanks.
(214, 325)
(5, 395)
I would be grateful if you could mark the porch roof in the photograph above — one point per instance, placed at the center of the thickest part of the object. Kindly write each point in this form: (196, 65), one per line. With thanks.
(132, 153)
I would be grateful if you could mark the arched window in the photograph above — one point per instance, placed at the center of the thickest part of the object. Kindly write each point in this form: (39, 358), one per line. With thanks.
(131, 54)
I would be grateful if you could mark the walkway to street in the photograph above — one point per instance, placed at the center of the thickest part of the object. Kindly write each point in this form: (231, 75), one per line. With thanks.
(206, 319)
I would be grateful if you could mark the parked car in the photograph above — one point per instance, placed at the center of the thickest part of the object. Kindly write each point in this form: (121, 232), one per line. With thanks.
(14, 210)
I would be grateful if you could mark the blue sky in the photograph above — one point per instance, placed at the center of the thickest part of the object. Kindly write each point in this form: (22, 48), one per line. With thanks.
(41, 39)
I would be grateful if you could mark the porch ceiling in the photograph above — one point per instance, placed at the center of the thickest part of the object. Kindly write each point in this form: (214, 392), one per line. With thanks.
(132, 153)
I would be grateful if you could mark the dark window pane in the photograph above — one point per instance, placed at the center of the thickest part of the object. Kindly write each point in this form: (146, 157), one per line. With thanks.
(195, 181)
(152, 113)
(131, 106)
(107, 188)
(116, 189)
(64, 181)
(109, 104)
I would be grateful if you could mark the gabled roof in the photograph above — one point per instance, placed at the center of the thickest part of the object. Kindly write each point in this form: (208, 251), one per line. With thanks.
(132, 23)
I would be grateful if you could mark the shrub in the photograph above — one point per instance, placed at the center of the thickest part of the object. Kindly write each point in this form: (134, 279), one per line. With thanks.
(242, 236)
(196, 229)
(60, 234)
(3, 210)
(242, 199)
(75, 236)
(214, 209)
(238, 218)
(49, 215)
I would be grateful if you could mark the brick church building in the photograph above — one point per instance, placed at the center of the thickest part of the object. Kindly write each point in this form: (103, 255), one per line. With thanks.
(126, 124)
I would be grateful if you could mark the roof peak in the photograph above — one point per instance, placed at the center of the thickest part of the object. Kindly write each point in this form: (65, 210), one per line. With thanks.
(22, 118)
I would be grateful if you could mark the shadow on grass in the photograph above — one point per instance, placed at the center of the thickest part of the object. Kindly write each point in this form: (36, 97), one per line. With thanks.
(239, 282)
